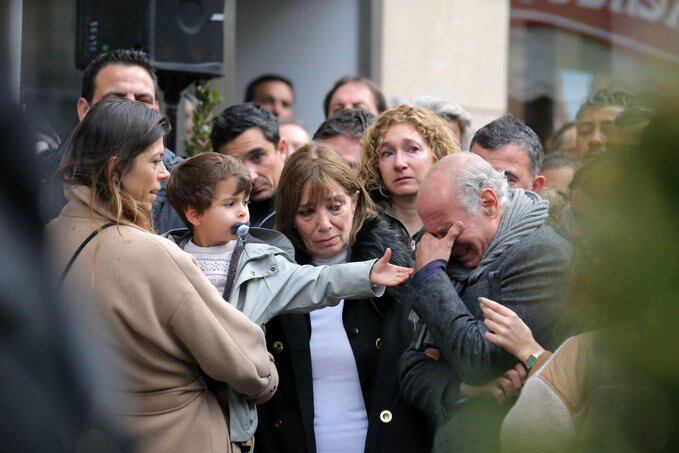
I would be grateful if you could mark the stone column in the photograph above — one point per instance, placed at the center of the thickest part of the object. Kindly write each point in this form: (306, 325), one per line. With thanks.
(453, 49)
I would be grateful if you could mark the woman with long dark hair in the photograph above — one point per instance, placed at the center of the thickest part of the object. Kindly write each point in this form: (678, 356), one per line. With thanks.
(160, 318)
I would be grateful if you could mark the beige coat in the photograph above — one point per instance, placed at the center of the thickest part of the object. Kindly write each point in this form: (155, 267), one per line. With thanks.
(162, 320)
(543, 418)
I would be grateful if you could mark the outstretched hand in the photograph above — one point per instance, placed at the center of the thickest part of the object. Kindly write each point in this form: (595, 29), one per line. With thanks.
(385, 274)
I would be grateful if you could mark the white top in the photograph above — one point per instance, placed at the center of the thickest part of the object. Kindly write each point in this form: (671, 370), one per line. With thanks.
(340, 418)
(213, 261)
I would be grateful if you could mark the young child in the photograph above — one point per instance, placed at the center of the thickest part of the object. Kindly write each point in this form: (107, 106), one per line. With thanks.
(256, 272)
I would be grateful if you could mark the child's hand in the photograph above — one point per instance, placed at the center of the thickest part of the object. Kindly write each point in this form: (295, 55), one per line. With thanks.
(385, 274)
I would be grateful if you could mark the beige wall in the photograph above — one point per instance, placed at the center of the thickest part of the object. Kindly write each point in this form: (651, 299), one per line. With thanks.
(453, 49)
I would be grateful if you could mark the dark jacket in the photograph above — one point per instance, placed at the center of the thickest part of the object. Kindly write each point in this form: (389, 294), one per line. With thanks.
(378, 331)
(532, 278)
(263, 214)
(52, 199)
(384, 210)
(165, 218)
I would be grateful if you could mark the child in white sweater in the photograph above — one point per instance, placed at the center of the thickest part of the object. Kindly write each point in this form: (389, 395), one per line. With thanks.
(256, 271)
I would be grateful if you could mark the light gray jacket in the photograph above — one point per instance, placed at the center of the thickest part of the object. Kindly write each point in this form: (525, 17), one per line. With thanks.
(264, 281)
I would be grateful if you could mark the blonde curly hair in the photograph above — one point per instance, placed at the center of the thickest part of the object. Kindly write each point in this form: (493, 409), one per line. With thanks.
(432, 128)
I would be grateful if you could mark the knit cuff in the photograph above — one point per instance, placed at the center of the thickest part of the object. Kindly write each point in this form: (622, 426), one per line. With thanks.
(427, 271)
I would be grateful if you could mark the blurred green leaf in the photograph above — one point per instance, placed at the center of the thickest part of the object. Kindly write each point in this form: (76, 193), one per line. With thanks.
(199, 140)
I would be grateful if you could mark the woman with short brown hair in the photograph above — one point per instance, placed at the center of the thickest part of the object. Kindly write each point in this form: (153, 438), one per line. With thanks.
(339, 388)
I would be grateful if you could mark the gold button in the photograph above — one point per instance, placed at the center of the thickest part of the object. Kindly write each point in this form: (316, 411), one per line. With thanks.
(278, 424)
(277, 347)
(386, 416)
(378, 343)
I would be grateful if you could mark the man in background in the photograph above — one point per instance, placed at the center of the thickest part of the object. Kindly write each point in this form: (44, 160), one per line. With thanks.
(354, 92)
(513, 148)
(457, 118)
(294, 134)
(273, 92)
(343, 131)
(558, 170)
(121, 73)
(595, 121)
(250, 132)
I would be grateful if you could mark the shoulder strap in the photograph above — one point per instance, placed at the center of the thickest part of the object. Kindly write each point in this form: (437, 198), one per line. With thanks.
(233, 266)
(80, 249)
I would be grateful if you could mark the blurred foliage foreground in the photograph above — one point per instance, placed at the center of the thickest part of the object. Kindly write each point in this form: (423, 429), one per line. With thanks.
(629, 294)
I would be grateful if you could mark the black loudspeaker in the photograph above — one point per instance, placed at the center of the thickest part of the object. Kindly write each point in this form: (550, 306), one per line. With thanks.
(179, 36)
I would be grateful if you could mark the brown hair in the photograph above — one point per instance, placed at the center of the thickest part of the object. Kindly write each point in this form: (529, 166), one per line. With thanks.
(116, 130)
(319, 166)
(431, 127)
(193, 181)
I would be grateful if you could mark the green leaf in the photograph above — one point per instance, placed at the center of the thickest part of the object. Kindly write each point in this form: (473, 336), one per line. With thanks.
(199, 140)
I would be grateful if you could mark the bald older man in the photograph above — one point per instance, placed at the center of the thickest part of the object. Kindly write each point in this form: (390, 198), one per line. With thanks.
(483, 239)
